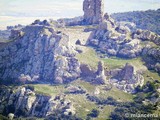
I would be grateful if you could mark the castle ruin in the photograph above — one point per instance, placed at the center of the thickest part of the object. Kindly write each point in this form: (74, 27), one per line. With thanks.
(93, 11)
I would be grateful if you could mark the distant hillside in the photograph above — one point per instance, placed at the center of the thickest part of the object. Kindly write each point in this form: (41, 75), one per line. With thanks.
(149, 19)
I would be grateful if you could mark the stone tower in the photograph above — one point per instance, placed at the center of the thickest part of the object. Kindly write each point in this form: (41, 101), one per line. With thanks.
(93, 11)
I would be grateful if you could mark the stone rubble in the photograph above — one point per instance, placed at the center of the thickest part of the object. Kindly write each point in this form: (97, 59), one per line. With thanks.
(126, 79)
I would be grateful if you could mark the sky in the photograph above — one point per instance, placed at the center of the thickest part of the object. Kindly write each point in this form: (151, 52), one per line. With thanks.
(16, 10)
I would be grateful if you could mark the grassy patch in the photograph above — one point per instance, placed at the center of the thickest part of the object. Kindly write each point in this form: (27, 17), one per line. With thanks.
(150, 76)
(117, 94)
(49, 89)
(88, 57)
(82, 105)
(114, 92)
(80, 102)
(105, 112)
(86, 85)
(114, 62)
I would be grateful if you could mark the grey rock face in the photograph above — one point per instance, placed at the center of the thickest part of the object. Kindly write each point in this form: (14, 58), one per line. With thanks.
(115, 39)
(151, 56)
(130, 25)
(39, 53)
(147, 35)
(87, 72)
(27, 103)
(93, 11)
(126, 73)
(131, 49)
(90, 75)
(126, 78)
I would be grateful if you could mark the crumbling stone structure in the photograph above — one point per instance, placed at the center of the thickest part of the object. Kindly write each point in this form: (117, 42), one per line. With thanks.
(93, 11)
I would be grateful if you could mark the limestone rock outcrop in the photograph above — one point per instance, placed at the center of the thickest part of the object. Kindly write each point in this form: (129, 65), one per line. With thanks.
(93, 11)
(94, 76)
(151, 56)
(25, 102)
(115, 39)
(40, 53)
(126, 78)
(147, 35)
(121, 39)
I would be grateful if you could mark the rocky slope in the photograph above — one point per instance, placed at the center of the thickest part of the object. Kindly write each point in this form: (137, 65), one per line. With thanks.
(120, 40)
(55, 52)
(38, 52)
(115, 40)
(23, 101)
(126, 79)
(151, 56)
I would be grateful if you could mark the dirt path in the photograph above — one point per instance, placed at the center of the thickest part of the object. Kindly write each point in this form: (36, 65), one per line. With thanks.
(76, 33)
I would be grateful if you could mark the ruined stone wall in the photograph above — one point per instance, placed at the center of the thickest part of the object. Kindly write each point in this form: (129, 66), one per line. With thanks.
(93, 11)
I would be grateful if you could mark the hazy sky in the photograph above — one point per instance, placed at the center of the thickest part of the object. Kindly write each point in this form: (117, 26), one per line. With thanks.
(13, 12)
(68, 8)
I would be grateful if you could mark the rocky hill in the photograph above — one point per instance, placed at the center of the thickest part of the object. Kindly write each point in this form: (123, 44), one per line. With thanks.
(38, 52)
(121, 40)
(148, 20)
(88, 67)
(28, 103)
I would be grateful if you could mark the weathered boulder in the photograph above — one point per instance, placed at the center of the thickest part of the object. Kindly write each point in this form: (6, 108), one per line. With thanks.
(10, 116)
(122, 29)
(151, 56)
(97, 91)
(87, 72)
(131, 49)
(100, 70)
(109, 18)
(94, 42)
(130, 25)
(90, 75)
(147, 35)
(126, 73)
